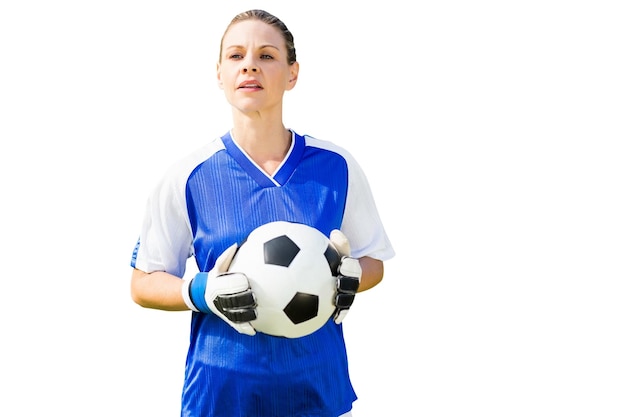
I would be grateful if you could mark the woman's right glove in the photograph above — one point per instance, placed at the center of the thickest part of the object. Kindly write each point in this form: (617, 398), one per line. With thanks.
(348, 276)
(226, 294)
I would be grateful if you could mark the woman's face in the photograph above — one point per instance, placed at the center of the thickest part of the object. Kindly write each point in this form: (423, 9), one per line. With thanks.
(253, 69)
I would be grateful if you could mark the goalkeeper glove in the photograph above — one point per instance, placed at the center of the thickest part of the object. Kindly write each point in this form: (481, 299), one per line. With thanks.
(348, 276)
(226, 294)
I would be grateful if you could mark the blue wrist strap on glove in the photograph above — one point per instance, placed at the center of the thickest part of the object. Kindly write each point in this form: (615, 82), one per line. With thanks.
(197, 289)
(223, 293)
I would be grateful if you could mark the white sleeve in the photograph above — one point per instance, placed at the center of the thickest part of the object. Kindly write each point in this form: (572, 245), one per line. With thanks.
(362, 224)
(166, 240)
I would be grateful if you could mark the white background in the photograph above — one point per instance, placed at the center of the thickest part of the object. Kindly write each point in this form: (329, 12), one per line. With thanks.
(493, 136)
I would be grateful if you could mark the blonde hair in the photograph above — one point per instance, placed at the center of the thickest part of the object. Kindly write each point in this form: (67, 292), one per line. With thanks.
(270, 19)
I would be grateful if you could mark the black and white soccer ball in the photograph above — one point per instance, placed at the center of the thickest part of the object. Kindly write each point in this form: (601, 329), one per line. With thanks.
(290, 269)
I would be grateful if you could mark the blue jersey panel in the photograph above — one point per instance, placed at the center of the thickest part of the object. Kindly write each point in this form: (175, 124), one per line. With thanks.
(228, 197)
(230, 374)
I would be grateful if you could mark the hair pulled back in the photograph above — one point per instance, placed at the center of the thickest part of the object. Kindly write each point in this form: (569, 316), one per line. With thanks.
(270, 19)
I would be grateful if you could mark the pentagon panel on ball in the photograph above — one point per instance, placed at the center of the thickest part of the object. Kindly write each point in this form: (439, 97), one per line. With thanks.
(291, 268)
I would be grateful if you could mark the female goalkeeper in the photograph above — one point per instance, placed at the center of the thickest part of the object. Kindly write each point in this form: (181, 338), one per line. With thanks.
(258, 172)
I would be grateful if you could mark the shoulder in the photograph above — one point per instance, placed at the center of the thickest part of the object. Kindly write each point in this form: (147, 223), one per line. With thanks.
(314, 142)
(174, 180)
(182, 168)
(189, 162)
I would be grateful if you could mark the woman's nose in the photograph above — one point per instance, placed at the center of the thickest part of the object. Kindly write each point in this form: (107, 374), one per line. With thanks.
(249, 64)
(251, 68)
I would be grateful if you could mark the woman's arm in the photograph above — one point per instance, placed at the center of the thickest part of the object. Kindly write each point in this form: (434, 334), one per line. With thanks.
(158, 290)
(372, 273)
(162, 291)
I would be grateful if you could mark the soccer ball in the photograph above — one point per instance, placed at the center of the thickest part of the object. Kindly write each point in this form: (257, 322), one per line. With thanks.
(290, 269)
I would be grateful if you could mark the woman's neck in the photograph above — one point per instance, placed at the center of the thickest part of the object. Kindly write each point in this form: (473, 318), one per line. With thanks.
(267, 144)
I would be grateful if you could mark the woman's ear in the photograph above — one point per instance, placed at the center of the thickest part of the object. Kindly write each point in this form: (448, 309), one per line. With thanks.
(293, 75)
(220, 84)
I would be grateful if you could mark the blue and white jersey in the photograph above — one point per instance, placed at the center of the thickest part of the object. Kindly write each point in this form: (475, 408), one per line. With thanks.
(216, 197)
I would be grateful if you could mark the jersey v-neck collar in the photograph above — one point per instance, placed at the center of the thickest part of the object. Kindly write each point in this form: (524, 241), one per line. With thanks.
(284, 172)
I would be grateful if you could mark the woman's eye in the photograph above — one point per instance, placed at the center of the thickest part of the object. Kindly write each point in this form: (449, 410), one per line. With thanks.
(266, 56)
(236, 56)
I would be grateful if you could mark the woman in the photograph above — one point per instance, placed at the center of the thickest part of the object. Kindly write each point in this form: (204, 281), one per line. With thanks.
(209, 202)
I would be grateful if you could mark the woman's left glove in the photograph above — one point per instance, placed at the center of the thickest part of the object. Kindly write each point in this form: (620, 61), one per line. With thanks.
(348, 276)
(226, 294)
